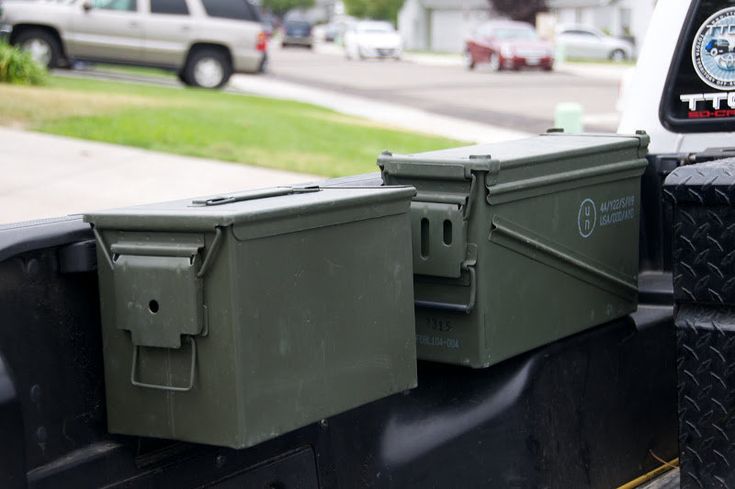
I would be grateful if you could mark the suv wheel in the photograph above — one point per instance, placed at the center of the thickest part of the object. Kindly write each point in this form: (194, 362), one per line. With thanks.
(494, 62)
(469, 60)
(618, 55)
(41, 45)
(207, 68)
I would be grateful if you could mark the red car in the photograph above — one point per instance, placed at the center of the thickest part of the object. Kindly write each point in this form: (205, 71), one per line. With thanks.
(508, 45)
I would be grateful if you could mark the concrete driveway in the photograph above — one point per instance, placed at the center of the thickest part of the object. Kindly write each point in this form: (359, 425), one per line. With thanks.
(49, 176)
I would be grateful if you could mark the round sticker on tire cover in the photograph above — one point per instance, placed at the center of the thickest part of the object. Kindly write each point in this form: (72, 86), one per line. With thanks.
(713, 50)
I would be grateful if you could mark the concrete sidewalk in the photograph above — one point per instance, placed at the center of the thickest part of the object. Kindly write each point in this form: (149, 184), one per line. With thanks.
(49, 176)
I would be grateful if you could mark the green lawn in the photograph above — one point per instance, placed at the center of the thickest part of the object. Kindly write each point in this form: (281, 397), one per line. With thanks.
(244, 129)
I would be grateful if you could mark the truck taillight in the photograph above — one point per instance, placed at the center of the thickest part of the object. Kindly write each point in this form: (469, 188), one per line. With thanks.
(262, 44)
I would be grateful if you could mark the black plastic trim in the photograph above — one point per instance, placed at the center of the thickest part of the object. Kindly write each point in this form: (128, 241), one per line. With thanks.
(32, 235)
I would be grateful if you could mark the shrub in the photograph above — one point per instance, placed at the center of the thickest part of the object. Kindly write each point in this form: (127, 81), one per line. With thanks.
(18, 67)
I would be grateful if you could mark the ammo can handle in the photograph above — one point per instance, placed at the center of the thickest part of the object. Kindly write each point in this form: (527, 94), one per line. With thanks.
(448, 306)
(159, 387)
(258, 194)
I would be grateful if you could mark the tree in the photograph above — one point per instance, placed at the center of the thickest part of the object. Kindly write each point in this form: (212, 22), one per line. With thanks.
(280, 7)
(524, 10)
(374, 9)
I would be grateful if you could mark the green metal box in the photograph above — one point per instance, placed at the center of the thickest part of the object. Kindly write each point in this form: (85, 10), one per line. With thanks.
(232, 320)
(521, 243)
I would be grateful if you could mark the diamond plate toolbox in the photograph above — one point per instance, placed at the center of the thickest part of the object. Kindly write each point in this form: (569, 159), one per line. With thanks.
(704, 232)
(703, 240)
(706, 394)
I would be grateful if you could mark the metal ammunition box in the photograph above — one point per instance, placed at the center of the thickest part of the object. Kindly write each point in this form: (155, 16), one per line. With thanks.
(521, 243)
(232, 320)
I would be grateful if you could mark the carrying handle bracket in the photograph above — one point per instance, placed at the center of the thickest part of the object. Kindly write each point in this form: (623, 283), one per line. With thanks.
(255, 195)
(170, 388)
(446, 306)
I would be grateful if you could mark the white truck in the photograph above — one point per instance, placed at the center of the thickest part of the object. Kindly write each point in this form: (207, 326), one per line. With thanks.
(681, 92)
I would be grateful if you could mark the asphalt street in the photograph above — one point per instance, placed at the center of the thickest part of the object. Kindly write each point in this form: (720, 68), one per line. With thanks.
(519, 100)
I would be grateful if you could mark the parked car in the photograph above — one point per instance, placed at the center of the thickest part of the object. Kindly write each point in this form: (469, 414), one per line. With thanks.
(372, 39)
(508, 44)
(588, 42)
(205, 41)
(332, 31)
(297, 33)
(717, 46)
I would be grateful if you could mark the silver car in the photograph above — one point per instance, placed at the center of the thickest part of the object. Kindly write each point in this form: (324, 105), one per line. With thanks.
(588, 42)
(205, 41)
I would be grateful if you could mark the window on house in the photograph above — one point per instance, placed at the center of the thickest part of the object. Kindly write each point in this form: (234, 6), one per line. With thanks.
(626, 21)
(578, 15)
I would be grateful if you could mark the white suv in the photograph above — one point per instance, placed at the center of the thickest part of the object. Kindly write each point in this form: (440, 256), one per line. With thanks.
(205, 41)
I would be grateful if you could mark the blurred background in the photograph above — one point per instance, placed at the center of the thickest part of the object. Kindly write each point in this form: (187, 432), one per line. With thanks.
(108, 103)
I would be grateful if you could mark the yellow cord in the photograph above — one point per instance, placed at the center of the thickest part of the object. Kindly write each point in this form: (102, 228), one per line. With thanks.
(664, 467)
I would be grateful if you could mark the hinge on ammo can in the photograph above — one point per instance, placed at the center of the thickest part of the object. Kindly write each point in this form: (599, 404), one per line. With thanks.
(491, 168)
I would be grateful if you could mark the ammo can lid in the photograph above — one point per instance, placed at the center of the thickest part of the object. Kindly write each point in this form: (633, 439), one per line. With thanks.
(553, 145)
(711, 183)
(315, 206)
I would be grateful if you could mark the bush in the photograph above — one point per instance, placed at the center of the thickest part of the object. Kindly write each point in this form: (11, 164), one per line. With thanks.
(18, 67)
(374, 9)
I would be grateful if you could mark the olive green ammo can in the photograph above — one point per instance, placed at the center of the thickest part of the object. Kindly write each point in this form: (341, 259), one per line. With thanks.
(521, 243)
(232, 320)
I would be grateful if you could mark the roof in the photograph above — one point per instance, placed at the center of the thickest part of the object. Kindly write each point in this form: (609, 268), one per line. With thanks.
(578, 3)
(455, 4)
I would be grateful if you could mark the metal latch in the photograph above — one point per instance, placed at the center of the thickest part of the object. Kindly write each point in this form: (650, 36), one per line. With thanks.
(441, 248)
(158, 296)
(439, 238)
(158, 293)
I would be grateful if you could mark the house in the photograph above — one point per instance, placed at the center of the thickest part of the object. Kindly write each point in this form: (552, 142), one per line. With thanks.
(440, 25)
(321, 11)
(620, 18)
